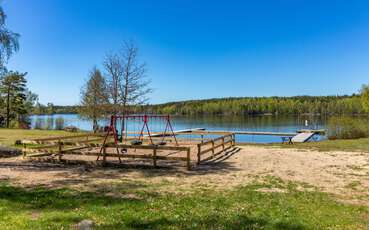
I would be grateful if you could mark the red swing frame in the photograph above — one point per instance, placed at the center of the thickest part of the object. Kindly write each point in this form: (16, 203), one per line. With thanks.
(112, 129)
(145, 119)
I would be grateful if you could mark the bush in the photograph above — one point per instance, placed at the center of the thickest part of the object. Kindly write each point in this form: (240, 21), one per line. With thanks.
(347, 128)
(39, 123)
(59, 123)
(49, 123)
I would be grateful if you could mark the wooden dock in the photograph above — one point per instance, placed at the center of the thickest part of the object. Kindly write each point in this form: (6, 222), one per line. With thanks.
(300, 136)
(176, 132)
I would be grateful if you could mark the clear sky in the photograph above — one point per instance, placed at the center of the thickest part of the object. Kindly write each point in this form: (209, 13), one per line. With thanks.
(196, 49)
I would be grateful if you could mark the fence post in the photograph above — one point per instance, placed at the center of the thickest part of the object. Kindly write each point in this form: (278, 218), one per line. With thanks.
(60, 148)
(212, 148)
(223, 143)
(104, 154)
(198, 154)
(154, 157)
(24, 150)
(188, 158)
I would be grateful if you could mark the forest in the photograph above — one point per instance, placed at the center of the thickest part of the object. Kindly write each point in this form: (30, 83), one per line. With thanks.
(298, 105)
(318, 105)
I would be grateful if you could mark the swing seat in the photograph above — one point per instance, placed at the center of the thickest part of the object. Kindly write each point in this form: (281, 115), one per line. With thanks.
(136, 142)
(161, 143)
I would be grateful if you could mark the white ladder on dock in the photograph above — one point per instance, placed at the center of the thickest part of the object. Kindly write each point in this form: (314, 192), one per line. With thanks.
(302, 137)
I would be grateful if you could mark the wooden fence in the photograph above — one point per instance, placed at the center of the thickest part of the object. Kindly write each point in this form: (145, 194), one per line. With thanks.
(69, 145)
(211, 148)
(60, 145)
(154, 156)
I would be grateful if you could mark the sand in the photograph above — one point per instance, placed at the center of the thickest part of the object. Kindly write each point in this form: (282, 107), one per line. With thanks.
(343, 174)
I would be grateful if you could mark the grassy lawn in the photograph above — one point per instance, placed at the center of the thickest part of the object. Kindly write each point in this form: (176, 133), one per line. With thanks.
(9, 136)
(143, 208)
(332, 145)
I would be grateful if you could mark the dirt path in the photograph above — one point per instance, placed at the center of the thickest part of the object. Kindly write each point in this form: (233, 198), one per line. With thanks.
(345, 174)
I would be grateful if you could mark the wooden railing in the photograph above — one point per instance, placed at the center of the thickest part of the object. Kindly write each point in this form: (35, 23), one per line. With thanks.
(60, 145)
(154, 156)
(215, 147)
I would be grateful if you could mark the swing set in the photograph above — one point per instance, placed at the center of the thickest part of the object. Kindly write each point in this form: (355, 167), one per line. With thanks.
(144, 132)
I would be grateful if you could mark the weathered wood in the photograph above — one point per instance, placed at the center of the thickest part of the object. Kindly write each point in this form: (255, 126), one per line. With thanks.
(229, 135)
(56, 138)
(104, 154)
(159, 147)
(74, 149)
(247, 133)
(140, 156)
(215, 147)
(216, 154)
(154, 157)
(39, 155)
(198, 153)
(60, 148)
(188, 159)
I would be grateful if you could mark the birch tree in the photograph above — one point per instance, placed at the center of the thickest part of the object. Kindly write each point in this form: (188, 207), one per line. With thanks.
(94, 98)
(127, 81)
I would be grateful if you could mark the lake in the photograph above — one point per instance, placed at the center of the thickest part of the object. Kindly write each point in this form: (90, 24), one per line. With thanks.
(226, 123)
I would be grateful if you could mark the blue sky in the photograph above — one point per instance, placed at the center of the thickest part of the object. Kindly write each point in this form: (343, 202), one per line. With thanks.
(196, 49)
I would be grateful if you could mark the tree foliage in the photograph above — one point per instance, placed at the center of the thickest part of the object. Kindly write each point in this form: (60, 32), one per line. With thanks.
(323, 105)
(16, 98)
(8, 41)
(365, 98)
(94, 97)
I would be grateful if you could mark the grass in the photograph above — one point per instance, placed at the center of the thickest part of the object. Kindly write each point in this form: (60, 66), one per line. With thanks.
(241, 208)
(9, 136)
(361, 145)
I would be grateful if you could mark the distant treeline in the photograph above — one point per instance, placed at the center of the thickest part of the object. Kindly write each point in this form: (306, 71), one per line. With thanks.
(323, 105)
(50, 108)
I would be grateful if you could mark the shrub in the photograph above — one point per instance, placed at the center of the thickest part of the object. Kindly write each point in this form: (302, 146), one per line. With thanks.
(49, 123)
(347, 128)
(39, 123)
(59, 123)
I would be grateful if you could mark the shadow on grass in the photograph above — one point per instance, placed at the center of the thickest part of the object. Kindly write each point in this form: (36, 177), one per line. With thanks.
(65, 202)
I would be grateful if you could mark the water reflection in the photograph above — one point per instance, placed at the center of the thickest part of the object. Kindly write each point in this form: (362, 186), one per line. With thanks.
(226, 123)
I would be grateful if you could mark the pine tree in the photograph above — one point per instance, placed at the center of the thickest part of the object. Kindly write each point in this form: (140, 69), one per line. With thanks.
(14, 93)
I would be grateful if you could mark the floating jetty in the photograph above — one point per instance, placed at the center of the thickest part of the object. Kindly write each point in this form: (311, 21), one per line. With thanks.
(300, 136)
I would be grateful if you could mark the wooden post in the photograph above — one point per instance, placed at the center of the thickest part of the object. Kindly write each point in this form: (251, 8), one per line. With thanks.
(154, 157)
(212, 148)
(223, 143)
(24, 150)
(202, 138)
(60, 148)
(189, 159)
(104, 154)
(198, 154)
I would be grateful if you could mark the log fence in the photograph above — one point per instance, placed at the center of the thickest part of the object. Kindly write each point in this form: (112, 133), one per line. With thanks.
(224, 142)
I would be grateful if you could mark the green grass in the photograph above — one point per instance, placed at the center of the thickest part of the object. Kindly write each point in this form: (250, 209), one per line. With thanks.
(361, 145)
(9, 136)
(241, 208)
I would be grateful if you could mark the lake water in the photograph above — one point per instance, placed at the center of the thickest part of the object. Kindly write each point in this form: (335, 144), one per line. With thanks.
(226, 123)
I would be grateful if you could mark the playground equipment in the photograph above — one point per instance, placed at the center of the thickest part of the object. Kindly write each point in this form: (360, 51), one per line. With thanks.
(124, 120)
(152, 139)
